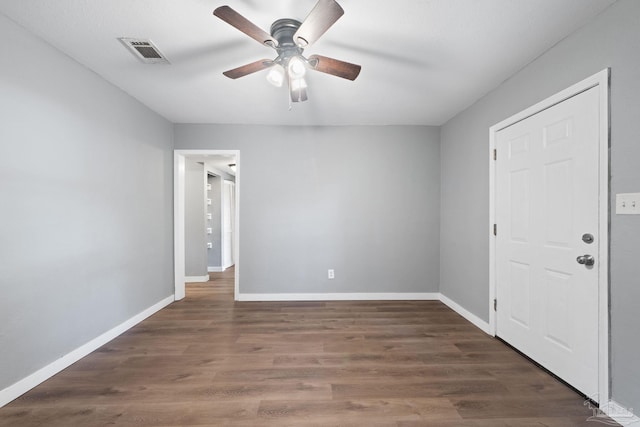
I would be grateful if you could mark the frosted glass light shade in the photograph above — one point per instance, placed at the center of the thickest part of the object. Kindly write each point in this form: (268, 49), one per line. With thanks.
(275, 76)
(296, 67)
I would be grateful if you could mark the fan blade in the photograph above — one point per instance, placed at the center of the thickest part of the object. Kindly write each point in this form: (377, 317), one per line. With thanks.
(334, 67)
(260, 65)
(238, 21)
(324, 14)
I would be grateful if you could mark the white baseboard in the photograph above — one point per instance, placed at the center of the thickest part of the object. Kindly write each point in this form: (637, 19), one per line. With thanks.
(215, 269)
(24, 385)
(14, 391)
(618, 413)
(196, 279)
(484, 326)
(384, 296)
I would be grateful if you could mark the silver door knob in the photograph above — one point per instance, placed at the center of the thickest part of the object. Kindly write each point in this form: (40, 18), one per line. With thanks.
(586, 260)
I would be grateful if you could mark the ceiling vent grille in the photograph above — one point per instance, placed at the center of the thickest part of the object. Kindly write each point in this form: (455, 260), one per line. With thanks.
(144, 50)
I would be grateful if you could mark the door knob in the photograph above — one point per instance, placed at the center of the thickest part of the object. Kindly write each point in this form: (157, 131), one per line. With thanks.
(586, 260)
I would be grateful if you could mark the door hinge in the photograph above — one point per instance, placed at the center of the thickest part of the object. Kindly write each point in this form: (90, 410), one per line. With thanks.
(495, 305)
(495, 154)
(495, 229)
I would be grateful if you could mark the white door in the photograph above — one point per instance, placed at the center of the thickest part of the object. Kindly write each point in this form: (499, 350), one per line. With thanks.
(547, 198)
(228, 222)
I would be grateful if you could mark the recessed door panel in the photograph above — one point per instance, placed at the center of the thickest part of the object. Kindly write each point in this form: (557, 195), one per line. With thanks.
(520, 294)
(520, 206)
(558, 132)
(558, 206)
(558, 308)
(519, 145)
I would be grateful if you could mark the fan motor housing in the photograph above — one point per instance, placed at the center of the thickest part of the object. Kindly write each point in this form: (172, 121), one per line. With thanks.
(283, 30)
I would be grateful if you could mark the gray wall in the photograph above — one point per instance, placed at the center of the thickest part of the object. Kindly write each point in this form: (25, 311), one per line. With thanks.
(361, 200)
(612, 40)
(85, 202)
(195, 240)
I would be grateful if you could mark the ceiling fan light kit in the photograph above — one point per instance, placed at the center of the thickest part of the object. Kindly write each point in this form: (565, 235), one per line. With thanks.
(276, 75)
(289, 38)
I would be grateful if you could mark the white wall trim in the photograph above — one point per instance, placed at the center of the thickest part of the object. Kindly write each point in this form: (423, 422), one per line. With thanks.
(601, 81)
(19, 388)
(618, 413)
(24, 385)
(358, 296)
(382, 296)
(236, 234)
(179, 262)
(481, 324)
(223, 232)
(196, 279)
(215, 269)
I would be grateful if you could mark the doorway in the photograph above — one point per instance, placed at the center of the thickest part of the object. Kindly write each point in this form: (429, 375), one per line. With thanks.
(223, 159)
(549, 237)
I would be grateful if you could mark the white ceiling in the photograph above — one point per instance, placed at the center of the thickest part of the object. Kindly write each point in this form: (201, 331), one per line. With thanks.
(219, 162)
(423, 61)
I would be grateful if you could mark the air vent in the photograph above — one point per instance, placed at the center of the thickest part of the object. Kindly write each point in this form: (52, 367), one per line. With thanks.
(144, 50)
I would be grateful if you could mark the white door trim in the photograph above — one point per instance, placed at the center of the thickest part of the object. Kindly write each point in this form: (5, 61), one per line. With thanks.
(179, 217)
(178, 225)
(601, 81)
(223, 252)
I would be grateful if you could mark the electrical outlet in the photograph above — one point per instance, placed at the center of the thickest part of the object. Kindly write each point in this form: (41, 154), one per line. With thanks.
(209, 245)
(628, 204)
(331, 274)
(209, 230)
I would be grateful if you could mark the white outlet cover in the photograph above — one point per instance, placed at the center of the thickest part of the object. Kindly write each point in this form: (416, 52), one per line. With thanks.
(628, 204)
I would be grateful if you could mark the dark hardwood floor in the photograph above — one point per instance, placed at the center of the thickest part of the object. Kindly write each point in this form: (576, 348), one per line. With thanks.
(210, 361)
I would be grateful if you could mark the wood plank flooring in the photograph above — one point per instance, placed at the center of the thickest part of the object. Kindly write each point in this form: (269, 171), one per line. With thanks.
(210, 361)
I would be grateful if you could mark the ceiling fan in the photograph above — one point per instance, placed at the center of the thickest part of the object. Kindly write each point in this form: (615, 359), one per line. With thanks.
(289, 38)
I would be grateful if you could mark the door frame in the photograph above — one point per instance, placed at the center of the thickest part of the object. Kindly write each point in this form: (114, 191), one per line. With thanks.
(179, 157)
(601, 81)
(223, 251)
